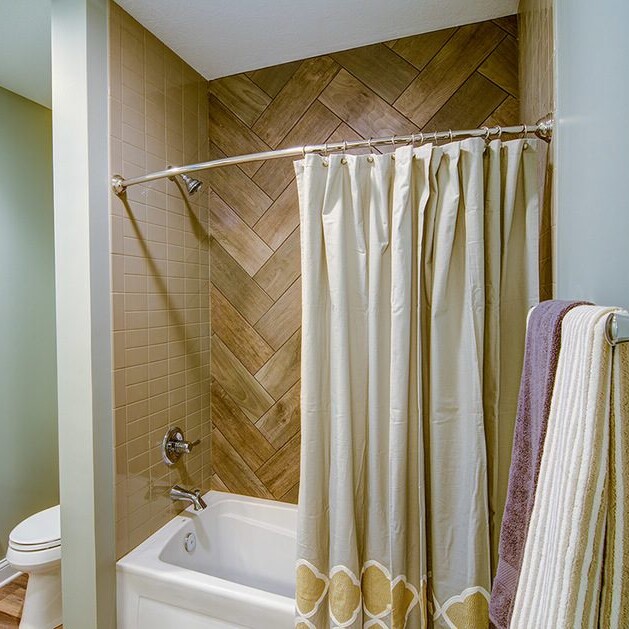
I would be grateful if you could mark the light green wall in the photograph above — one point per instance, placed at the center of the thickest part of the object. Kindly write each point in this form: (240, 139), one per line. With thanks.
(28, 400)
(590, 141)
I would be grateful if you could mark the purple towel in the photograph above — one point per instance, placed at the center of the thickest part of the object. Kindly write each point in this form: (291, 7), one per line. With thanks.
(541, 354)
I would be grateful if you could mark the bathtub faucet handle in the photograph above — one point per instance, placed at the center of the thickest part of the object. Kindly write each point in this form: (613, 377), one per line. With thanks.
(174, 445)
(184, 447)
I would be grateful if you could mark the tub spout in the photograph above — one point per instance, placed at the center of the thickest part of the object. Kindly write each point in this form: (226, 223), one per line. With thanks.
(193, 496)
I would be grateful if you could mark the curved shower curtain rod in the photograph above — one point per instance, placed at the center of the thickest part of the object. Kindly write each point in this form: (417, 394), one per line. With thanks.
(542, 129)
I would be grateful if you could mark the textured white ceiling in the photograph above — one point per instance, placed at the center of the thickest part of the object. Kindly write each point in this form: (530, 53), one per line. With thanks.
(25, 49)
(223, 37)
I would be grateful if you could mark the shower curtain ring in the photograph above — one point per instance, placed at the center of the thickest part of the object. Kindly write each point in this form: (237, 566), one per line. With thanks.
(499, 132)
(324, 157)
(450, 134)
(421, 137)
(303, 151)
(487, 134)
(523, 134)
(344, 158)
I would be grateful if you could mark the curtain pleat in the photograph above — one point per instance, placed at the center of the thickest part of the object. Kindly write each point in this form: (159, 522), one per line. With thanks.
(417, 274)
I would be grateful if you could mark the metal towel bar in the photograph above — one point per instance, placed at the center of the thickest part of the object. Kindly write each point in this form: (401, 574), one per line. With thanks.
(616, 327)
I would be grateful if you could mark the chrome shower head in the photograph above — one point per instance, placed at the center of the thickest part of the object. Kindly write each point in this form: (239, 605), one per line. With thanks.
(193, 185)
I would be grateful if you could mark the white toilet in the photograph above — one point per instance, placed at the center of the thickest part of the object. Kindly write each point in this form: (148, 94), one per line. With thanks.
(35, 548)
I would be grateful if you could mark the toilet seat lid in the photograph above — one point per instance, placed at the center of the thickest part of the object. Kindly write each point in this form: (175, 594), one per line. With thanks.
(39, 531)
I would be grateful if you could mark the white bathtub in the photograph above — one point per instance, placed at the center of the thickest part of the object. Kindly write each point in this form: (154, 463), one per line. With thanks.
(241, 574)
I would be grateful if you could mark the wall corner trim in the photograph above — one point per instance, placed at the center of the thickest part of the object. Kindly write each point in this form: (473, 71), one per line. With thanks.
(81, 197)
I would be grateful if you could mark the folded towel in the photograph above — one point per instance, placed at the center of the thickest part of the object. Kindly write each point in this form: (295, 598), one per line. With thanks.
(564, 563)
(541, 354)
(614, 610)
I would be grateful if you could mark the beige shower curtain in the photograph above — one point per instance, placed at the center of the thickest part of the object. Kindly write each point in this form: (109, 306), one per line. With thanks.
(418, 273)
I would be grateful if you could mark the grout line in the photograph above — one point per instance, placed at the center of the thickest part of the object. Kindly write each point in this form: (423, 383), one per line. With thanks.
(230, 114)
(506, 95)
(243, 462)
(389, 105)
(373, 92)
(496, 21)
(275, 252)
(260, 337)
(303, 115)
(482, 60)
(222, 155)
(268, 68)
(279, 349)
(243, 75)
(247, 226)
(408, 63)
(507, 92)
(252, 377)
(278, 451)
(243, 270)
(420, 70)
(245, 418)
(276, 300)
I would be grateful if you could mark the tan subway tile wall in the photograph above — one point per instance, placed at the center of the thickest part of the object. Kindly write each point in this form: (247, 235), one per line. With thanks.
(160, 278)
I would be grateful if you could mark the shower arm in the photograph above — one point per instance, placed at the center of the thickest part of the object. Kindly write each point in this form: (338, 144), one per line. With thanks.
(543, 129)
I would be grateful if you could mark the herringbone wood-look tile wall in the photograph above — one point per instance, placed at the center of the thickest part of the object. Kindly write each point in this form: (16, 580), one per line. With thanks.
(456, 78)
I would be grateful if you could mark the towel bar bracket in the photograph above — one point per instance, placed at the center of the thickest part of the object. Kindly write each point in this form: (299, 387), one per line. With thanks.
(617, 328)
